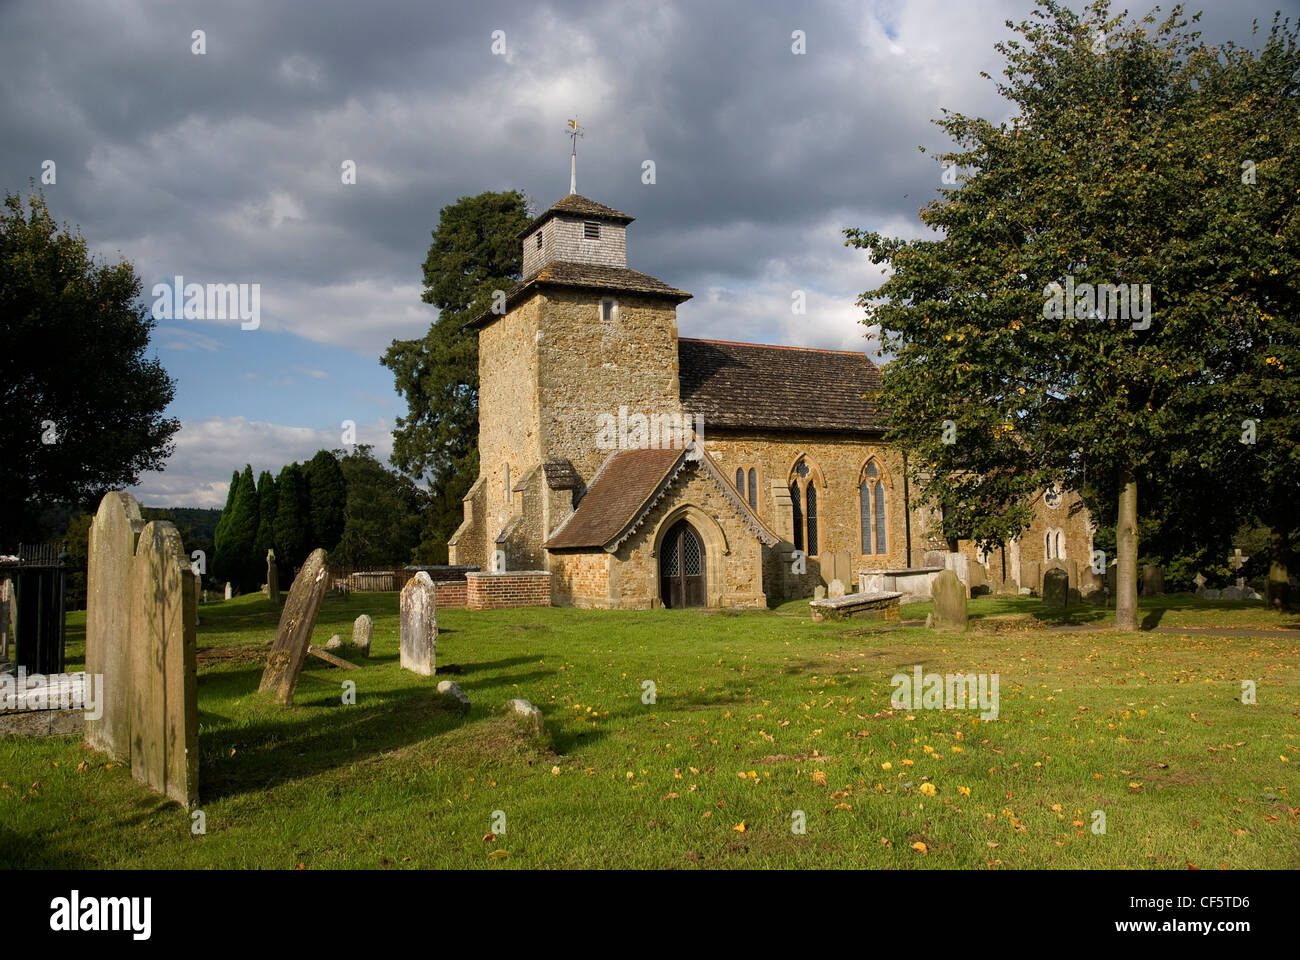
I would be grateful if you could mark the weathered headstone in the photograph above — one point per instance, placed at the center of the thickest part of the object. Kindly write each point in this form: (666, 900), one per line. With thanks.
(843, 566)
(949, 595)
(164, 666)
(6, 592)
(272, 578)
(1092, 587)
(1209, 593)
(819, 593)
(1232, 593)
(1112, 578)
(451, 691)
(111, 550)
(979, 581)
(198, 597)
(229, 592)
(836, 589)
(363, 629)
(1056, 586)
(334, 643)
(419, 625)
(284, 663)
(1031, 576)
(529, 712)
(1153, 581)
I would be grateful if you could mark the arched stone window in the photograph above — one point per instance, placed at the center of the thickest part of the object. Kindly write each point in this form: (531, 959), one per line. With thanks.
(872, 512)
(753, 489)
(803, 494)
(740, 481)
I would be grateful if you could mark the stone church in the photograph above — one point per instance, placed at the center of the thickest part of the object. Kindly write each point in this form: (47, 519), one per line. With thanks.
(643, 469)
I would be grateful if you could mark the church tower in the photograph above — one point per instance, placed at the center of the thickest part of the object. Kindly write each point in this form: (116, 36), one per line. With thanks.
(580, 338)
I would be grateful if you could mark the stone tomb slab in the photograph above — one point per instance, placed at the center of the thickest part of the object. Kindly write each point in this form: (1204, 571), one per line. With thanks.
(873, 606)
(293, 636)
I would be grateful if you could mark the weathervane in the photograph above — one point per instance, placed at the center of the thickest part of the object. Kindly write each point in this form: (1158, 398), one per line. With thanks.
(575, 132)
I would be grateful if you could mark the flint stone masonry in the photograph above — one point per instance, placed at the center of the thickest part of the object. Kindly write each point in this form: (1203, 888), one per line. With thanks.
(293, 636)
(949, 595)
(419, 626)
(515, 588)
(871, 606)
(529, 712)
(363, 629)
(453, 694)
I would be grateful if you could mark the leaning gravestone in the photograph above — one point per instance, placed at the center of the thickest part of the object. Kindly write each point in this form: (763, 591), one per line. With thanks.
(363, 629)
(1056, 587)
(419, 625)
(293, 636)
(949, 595)
(163, 662)
(272, 578)
(529, 712)
(1153, 581)
(836, 589)
(113, 533)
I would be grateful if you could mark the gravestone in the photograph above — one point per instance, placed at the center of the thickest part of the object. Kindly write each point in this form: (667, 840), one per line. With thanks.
(6, 592)
(454, 695)
(111, 549)
(334, 643)
(419, 626)
(198, 597)
(229, 592)
(843, 566)
(363, 629)
(1112, 577)
(949, 595)
(1092, 588)
(1153, 581)
(292, 637)
(1056, 586)
(163, 663)
(1210, 593)
(1232, 593)
(529, 712)
(979, 580)
(1031, 577)
(1200, 582)
(819, 593)
(272, 578)
(836, 589)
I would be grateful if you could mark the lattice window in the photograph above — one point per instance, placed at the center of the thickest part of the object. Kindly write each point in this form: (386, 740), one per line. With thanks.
(864, 514)
(880, 516)
(670, 558)
(753, 489)
(796, 497)
(812, 519)
(740, 481)
(690, 555)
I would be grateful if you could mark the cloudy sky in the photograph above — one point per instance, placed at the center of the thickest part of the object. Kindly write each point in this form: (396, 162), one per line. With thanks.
(225, 167)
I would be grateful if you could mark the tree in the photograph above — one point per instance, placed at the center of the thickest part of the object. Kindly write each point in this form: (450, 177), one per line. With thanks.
(476, 250)
(81, 406)
(221, 538)
(1015, 367)
(383, 522)
(327, 496)
(241, 535)
(292, 529)
(267, 504)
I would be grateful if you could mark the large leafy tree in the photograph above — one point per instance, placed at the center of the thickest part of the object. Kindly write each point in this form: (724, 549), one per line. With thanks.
(81, 403)
(326, 496)
(476, 250)
(1094, 179)
(383, 523)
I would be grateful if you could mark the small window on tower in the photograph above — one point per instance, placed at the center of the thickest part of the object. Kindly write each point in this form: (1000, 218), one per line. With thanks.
(590, 230)
(608, 310)
(539, 239)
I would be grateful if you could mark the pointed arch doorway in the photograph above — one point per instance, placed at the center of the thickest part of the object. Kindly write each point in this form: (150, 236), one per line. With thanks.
(682, 568)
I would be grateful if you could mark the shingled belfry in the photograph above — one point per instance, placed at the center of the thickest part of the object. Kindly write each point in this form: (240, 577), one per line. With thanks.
(644, 469)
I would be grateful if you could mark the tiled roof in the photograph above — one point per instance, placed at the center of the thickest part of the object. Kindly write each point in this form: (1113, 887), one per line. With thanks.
(579, 206)
(563, 274)
(625, 489)
(561, 474)
(625, 483)
(750, 385)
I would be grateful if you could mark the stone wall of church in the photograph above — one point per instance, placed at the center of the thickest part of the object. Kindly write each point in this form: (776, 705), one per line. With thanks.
(508, 437)
(580, 579)
(588, 367)
(734, 555)
(838, 462)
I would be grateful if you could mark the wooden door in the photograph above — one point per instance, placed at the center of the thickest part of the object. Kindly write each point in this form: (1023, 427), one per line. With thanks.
(682, 568)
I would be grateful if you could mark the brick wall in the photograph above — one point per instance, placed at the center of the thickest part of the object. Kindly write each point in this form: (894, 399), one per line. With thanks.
(517, 588)
(449, 593)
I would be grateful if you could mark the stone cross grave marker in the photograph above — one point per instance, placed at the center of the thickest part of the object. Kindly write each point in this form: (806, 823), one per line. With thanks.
(293, 636)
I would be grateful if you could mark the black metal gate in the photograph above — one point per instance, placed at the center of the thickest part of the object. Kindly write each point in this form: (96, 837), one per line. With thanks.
(40, 577)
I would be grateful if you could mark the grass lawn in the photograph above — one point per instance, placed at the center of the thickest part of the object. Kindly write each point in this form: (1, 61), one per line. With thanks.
(758, 715)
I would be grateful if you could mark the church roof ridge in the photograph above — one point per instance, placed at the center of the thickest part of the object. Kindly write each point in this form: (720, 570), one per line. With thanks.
(773, 346)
